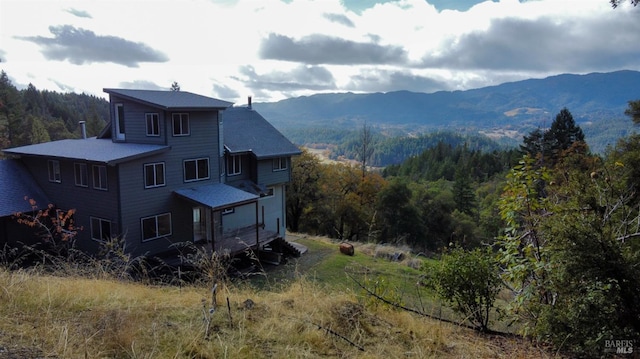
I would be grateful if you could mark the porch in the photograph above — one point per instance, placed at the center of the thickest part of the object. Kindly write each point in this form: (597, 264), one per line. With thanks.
(239, 240)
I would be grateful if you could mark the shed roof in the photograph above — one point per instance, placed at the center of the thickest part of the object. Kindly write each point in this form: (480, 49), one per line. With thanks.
(217, 196)
(89, 149)
(17, 187)
(245, 130)
(171, 100)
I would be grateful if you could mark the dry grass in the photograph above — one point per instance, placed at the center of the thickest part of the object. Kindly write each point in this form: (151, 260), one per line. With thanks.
(83, 318)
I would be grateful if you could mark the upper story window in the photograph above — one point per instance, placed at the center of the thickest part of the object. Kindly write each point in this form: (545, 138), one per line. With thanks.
(156, 226)
(153, 124)
(154, 175)
(280, 164)
(81, 174)
(53, 167)
(180, 124)
(196, 169)
(100, 177)
(119, 113)
(234, 165)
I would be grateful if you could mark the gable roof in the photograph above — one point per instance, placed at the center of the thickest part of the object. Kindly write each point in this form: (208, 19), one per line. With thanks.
(171, 100)
(17, 187)
(245, 130)
(89, 149)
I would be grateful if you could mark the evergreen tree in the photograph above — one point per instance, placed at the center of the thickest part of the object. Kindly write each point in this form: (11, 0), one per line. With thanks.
(11, 112)
(38, 132)
(548, 146)
(633, 111)
(562, 134)
(463, 193)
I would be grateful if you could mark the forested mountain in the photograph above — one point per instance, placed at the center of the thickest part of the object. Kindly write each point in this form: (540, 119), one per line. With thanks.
(33, 116)
(511, 110)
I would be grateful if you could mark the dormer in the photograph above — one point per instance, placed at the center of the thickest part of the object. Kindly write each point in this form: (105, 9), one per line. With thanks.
(157, 117)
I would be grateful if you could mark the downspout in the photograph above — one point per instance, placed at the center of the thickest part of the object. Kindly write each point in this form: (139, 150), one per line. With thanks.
(257, 228)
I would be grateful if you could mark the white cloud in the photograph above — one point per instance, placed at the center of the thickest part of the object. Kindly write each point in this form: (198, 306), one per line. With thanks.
(274, 48)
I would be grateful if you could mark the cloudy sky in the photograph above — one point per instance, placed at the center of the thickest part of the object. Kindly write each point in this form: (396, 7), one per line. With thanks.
(275, 49)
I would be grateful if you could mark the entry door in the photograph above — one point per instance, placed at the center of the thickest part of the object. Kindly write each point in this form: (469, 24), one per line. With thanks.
(201, 224)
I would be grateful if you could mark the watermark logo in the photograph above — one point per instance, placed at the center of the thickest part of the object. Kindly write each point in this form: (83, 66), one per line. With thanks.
(621, 346)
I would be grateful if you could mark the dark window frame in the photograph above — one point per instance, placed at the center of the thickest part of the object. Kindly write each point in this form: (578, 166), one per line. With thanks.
(154, 168)
(101, 226)
(234, 165)
(100, 178)
(152, 120)
(280, 164)
(53, 169)
(155, 221)
(81, 174)
(197, 168)
(180, 124)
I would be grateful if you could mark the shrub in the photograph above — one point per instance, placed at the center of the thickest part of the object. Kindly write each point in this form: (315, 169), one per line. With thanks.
(469, 282)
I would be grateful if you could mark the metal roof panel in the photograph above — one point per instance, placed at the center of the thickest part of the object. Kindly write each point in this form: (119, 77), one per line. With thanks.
(171, 100)
(89, 149)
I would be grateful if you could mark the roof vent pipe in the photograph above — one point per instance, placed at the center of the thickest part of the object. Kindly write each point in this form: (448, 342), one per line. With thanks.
(249, 102)
(83, 127)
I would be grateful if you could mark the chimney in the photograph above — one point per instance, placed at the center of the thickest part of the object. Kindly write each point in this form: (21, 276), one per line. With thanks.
(249, 102)
(83, 127)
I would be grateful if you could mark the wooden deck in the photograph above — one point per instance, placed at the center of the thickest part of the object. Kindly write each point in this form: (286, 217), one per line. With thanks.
(241, 239)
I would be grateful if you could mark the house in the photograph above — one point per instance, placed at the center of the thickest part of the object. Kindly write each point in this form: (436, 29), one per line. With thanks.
(170, 167)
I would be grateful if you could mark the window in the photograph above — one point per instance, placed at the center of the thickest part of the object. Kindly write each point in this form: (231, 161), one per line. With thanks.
(196, 170)
(234, 165)
(100, 177)
(153, 124)
(180, 124)
(267, 193)
(154, 175)
(81, 174)
(228, 210)
(100, 229)
(280, 164)
(54, 170)
(156, 226)
(119, 121)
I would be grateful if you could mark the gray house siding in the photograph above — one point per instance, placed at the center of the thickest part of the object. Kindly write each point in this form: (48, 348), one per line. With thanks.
(248, 165)
(267, 175)
(272, 210)
(138, 202)
(87, 201)
(135, 121)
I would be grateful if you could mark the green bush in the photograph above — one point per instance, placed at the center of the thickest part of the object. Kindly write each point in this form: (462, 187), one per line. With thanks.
(469, 282)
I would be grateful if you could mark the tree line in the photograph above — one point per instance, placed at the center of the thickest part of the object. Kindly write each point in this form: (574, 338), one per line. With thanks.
(31, 116)
(551, 223)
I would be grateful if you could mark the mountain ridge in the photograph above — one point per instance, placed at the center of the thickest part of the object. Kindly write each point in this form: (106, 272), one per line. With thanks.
(594, 99)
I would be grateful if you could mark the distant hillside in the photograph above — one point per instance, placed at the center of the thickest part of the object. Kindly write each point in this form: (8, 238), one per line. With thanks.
(597, 102)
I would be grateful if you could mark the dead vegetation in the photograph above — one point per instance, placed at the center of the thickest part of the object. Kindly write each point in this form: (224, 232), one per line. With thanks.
(53, 316)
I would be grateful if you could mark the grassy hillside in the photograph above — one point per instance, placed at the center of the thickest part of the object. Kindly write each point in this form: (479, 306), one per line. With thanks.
(308, 308)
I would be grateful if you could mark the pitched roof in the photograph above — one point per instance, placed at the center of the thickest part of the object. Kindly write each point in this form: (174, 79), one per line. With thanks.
(171, 100)
(16, 187)
(245, 130)
(90, 149)
(217, 195)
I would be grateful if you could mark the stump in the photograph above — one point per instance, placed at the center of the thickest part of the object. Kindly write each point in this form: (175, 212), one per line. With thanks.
(346, 248)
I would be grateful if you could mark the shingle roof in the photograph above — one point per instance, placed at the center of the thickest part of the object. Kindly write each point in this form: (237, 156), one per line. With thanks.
(171, 100)
(16, 187)
(90, 149)
(245, 130)
(217, 195)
